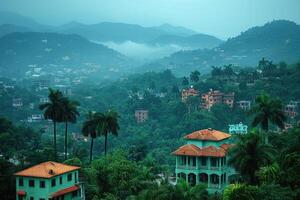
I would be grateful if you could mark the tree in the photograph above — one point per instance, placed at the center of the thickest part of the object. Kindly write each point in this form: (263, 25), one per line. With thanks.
(241, 192)
(267, 110)
(249, 154)
(194, 76)
(54, 110)
(185, 81)
(70, 114)
(109, 123)
(90, 127)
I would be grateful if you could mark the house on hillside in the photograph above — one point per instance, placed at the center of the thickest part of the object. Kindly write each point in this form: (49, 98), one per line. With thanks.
(186, 93)
(49, 181)
(239, 128)
(244, 105)
(215, 97)
(203, 159)
(141, 115)
(291, 109)
(17, 102)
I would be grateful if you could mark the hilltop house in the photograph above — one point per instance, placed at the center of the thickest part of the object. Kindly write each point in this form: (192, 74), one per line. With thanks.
(291, 109)
(49, 181)
(141, 115)
(244, 105)
(239, 128)
(214, 97)
(17, 102)
(185, 94)
(204, 159)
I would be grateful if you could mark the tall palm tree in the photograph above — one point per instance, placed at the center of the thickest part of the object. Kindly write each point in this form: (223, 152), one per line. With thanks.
(249, 154)
(70, 114)
(267, 110)
(53, 110)
(90, 128)
(109, 125)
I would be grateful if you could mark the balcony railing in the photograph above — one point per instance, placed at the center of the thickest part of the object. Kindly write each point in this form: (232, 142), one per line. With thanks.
(203, 167)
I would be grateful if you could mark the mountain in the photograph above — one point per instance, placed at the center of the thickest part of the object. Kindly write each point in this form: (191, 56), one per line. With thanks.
(278, 40)
(52, 51)
(175, 30)
(108, 31)
(201, 41)
(20, 20)
(9, 28)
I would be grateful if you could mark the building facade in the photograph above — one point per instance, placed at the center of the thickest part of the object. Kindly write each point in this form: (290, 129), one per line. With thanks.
(215, 97)
(239, 128)
(141, 115)
(244, 105)
(291, 109)
(49, 181)
(203, 160)
(186, 93)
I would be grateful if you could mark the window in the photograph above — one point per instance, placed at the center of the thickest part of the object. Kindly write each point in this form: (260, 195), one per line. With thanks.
(31, 183)
(75, 175)
(31, 198)
(70, 177)
(53, 182)
(42, 199)
(74, 194)
(21, 182)
(42, 184)
(20, 197)
(60, 180)
(203, 161)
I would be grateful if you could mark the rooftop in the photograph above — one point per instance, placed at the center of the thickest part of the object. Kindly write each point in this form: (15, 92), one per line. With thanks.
(47, 170)
(207, 134)
(192, 150)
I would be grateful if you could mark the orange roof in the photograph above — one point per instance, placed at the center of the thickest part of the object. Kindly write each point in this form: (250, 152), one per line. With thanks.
(192, 150)
(47, 170)
(207, 134)
(65, 191)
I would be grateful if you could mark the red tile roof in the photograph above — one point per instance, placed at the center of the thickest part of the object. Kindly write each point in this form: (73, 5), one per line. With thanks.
(21, 193)
(208, 134)
(192, 150)
(65, 191)
(47, 170)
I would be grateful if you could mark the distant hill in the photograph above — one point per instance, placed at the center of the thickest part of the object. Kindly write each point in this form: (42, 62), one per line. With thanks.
(202, 41)
(175, 30)
(22, 21)
(278, 41)
(19, 50)
(9, 28)
(108, 31)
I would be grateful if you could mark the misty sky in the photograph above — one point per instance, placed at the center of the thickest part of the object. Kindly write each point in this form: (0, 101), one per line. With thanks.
(222, 18)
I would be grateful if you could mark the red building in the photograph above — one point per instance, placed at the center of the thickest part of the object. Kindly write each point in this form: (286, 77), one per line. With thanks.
(214, 97)
(191, 92)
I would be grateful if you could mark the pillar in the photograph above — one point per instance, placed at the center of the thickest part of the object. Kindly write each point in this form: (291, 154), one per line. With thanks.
(208, 181)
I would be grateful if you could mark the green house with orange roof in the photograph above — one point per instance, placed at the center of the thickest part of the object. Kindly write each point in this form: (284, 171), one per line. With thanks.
(49, 181)
(203, 160)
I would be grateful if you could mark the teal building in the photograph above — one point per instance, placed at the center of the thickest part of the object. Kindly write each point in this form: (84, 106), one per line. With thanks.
(239, 128)
(203, 159)
(49, 181)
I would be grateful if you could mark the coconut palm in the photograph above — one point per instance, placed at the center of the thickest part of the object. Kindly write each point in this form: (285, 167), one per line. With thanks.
(267, 110)
(53, 110)
(70, 114)
(249, 154)
(90, 128)
(109, 125)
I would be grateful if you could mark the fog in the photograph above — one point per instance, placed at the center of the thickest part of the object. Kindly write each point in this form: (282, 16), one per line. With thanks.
(143, 52)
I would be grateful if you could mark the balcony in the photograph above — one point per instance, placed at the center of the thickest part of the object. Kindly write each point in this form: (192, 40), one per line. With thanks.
(201, 167)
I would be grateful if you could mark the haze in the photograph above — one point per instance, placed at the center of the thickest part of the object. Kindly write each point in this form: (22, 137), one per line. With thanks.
(220, 18)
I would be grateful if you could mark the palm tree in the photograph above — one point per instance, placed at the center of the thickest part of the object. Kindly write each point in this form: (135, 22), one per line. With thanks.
(249, 154)
(267, 110)
(109, 125)
(70, 114)
(90, 128)
(53, 110)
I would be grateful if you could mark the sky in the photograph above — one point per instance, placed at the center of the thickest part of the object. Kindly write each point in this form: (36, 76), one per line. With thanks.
(222, 18)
